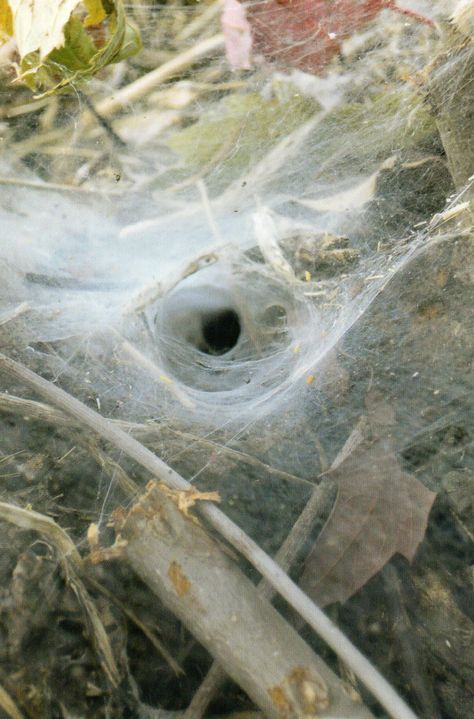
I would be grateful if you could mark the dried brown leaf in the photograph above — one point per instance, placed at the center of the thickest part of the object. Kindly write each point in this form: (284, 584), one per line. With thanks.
(379, 510)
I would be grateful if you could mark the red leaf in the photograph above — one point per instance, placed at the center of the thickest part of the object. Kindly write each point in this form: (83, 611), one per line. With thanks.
(379, 510)
(307, 33)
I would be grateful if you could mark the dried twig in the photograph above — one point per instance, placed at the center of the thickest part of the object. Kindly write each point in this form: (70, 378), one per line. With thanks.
(157, 373)
(31, 409)
(52, 186)
(314, 616)
(145, 84)
(109, 130)
(12, 314)
(199, 23)
(199, 583)
(316, 506)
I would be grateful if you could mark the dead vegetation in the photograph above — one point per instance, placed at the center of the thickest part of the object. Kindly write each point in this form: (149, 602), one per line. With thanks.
(123, 618)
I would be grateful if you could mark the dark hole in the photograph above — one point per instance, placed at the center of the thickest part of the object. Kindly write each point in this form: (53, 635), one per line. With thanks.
(220, 331)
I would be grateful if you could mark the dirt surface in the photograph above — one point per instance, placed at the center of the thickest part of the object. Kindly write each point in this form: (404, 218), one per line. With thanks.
(412, 347)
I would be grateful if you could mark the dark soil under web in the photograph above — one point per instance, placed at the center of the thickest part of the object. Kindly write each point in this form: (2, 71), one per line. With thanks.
(383, 288)
(61, 475)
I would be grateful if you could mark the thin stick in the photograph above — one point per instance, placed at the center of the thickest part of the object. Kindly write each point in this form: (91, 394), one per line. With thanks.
(8, 705)
(156, 372)
(29, 408)
(53, 186)
(267, 567)
(13, 313)
(148, 82)
(102, 121)
(11, 111)
(202, 21)
(201, 185)
(317, 504)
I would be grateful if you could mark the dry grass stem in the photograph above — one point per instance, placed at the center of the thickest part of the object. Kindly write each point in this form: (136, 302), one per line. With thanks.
(8, 705)
(71, 562)
(151, 636)
(202, 21)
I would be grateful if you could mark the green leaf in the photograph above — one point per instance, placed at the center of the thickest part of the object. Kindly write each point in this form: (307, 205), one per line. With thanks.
(78, 51)
(96, 12)
(241, 131)
(60, 46)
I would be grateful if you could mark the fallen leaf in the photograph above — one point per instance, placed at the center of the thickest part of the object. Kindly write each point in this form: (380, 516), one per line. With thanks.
(307, 33)
(379, 510)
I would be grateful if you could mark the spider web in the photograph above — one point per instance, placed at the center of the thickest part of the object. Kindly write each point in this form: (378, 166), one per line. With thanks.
(232, 279)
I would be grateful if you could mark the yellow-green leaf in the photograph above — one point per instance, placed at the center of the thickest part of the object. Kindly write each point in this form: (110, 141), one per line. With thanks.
(6, 20)
(84, 51)
(78, 50)
(96, 12)
(241, 131)
(63, 42)
(131, 43)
